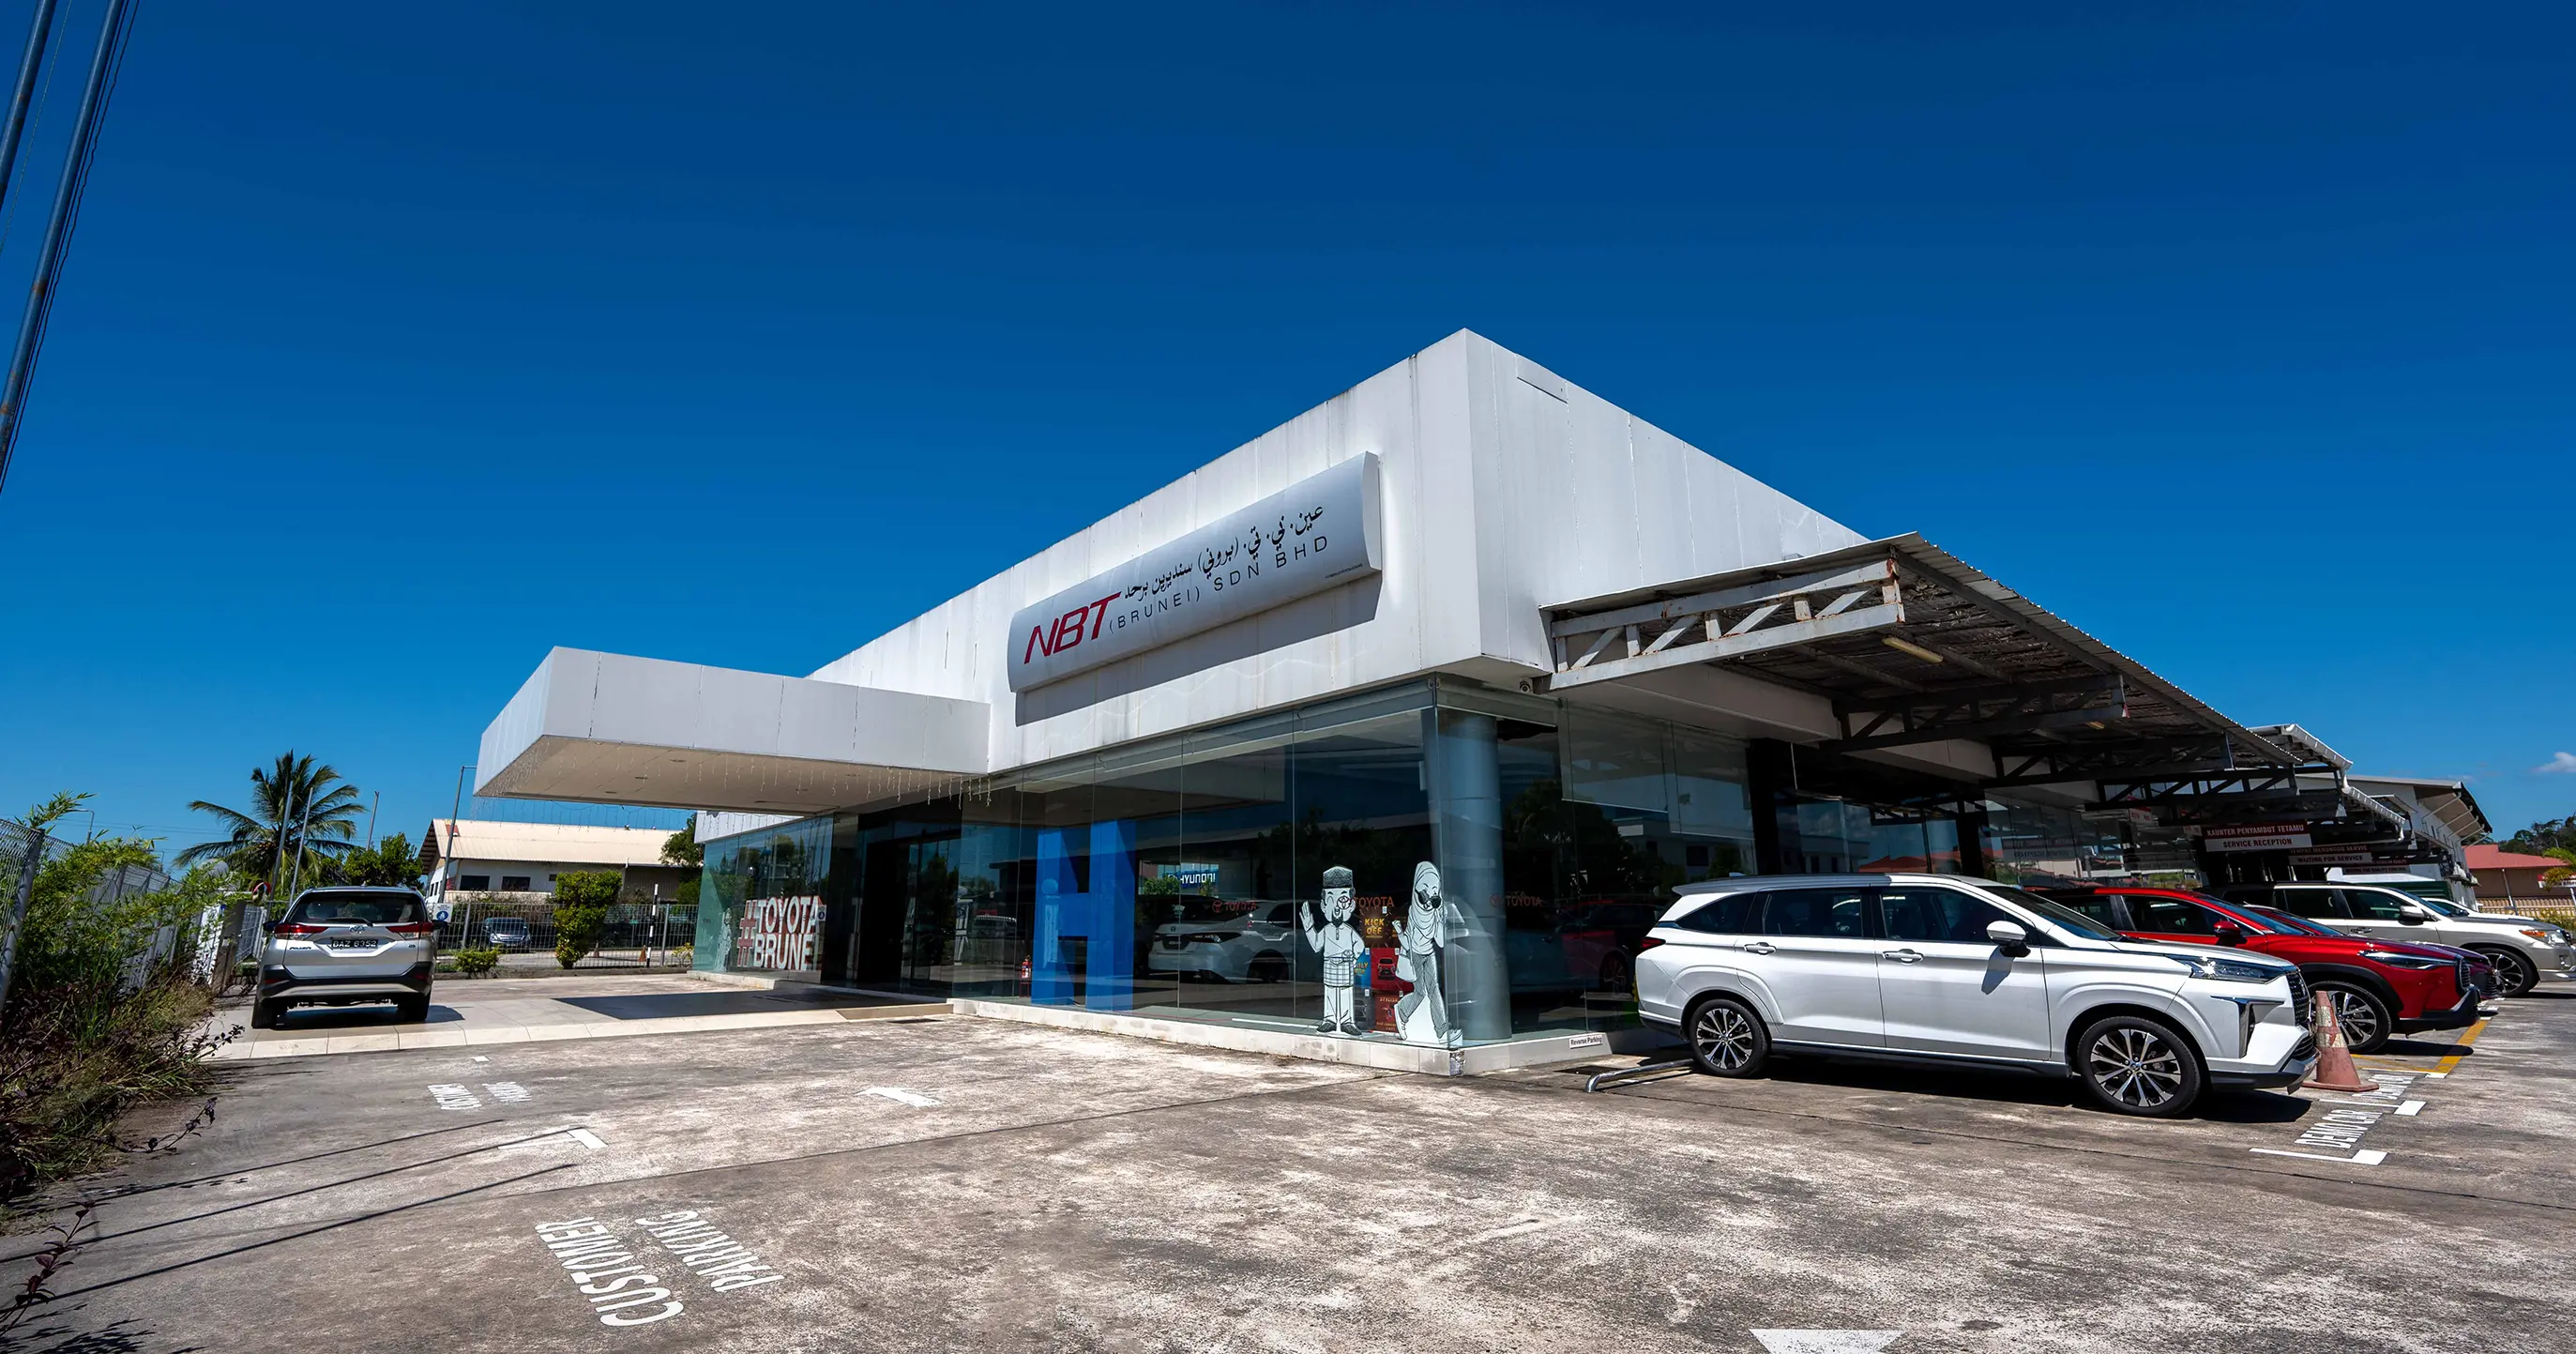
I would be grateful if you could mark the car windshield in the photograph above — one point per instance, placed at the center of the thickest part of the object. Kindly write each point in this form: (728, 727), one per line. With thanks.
(355, 909)
(2055, 913)
(2292, 922)
(2444, 906)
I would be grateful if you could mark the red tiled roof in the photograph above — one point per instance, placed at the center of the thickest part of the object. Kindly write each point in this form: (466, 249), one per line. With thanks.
(2498, 858)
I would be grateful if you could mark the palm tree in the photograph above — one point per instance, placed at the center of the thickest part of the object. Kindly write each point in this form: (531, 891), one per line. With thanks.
(297, 809)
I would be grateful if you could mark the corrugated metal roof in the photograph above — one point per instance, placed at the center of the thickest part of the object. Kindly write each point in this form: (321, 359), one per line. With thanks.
(544, 843)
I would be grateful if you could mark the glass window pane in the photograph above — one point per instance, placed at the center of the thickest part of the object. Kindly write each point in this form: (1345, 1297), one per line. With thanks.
(2172, 917)
(1941, 916)
(2307, 902)
(1730, 914)
(1813, 912)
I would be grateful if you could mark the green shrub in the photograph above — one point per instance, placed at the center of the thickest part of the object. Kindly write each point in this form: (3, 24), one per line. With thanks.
(476, 963)
(78, 1046)
(582, 900)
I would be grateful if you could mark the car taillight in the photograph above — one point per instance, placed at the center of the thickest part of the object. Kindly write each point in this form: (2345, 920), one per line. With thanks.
(301, 928)
(1649, 943)
(411, 928)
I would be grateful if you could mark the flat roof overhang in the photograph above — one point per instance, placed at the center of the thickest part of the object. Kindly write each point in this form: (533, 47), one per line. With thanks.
(612, 728)
(1912, 646)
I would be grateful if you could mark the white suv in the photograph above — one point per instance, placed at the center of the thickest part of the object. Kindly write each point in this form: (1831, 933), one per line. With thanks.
(1943, 969)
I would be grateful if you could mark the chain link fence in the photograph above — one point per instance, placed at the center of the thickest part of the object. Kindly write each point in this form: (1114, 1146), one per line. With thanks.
(522, 928)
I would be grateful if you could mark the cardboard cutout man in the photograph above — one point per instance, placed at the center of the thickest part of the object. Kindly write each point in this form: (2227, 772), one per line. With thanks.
(1331, 933)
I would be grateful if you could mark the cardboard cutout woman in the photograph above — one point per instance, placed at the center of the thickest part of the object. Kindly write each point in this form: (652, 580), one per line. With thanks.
(1422, 1016)
(1339, 942)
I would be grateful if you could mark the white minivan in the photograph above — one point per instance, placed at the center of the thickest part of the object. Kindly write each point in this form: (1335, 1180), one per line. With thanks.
(1948, 970)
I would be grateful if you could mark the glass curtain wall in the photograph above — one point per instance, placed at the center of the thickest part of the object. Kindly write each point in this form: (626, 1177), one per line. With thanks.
(770, 889)
(1604, 814)
(1396, 866)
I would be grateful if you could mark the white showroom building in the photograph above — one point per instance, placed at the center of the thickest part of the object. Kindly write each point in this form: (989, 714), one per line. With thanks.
(1395, 725)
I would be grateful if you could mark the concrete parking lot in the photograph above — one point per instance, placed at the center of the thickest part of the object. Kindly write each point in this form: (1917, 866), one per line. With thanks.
(945, 1183)
(517, 1011)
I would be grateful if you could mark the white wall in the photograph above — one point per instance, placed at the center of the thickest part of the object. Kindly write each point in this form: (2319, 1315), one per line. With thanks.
(1506, 489)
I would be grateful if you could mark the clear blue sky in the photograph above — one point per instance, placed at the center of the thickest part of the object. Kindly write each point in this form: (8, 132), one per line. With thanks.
(400, 344)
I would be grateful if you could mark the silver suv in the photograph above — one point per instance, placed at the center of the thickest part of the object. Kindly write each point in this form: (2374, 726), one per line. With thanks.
(337, 946)
(1961, 972)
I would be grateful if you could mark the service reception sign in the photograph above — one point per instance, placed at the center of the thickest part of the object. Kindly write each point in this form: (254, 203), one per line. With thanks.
(1319, 533)
(2257, 837)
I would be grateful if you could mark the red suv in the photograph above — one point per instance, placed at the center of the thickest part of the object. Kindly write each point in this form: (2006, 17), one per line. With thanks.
(2380, 987)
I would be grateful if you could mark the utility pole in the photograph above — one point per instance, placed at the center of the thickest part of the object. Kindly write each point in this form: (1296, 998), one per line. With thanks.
(378, 803)
(302, 830)
(465, 932)
(58, 229)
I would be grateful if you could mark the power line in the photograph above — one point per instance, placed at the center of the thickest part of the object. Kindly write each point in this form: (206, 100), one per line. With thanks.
(105, 66)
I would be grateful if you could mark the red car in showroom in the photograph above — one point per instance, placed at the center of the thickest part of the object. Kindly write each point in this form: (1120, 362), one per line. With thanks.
(2380, 987)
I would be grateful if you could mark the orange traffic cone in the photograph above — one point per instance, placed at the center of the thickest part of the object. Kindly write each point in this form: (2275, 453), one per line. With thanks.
(2334, 1070)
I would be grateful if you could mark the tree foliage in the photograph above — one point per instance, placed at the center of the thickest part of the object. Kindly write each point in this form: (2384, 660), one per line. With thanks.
(682, 848)
(298, 808)
(91, 1024)
(391, 862)
(2539, 838)
(582, 899)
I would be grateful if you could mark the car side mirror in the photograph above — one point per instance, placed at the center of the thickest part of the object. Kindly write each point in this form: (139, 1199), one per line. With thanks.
(2414, 914)
(2014, 939)
(2229, 933)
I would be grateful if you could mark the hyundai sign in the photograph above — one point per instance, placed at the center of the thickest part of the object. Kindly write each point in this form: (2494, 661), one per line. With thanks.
(1319, 533)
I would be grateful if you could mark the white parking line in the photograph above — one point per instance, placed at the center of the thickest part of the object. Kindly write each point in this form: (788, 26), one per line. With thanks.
(901, 1096)
(2368, 1156)
(2410, 1109)
(1826, 1341)
(554, 1137)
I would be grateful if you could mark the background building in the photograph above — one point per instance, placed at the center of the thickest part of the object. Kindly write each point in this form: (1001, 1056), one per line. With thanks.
(486, 862)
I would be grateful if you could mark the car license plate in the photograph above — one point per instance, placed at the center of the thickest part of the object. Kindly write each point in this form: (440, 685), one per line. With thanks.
(358, 944)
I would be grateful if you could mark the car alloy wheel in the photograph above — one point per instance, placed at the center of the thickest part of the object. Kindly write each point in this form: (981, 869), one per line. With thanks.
(2514, 974)
(2136, 1068)
(2359, 1015)
(1724, 1038)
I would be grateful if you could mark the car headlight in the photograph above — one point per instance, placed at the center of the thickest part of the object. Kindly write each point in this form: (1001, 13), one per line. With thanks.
(2229, 970)
(1213, 937)
(2537, 933)
(2394, 960)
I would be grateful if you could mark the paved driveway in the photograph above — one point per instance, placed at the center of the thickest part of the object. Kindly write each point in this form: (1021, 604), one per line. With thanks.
(953, 1184)
(522, 1010)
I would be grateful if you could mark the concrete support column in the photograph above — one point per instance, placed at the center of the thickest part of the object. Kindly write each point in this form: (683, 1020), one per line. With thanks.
(1467, 837)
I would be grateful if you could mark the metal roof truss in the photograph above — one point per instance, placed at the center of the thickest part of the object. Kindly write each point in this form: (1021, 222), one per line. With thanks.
(1725, 623)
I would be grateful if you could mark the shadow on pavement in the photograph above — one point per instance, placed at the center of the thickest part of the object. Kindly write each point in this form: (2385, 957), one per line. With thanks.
(385, 1016)
(661, 1005)
(124, 1337)
(2226, 1105)
(2402, 1047)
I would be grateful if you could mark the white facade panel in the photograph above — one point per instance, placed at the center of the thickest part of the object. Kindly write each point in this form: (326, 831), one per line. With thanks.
(1504, 488)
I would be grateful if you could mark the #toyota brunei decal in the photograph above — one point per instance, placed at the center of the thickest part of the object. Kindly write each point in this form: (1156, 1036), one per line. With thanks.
(1319, 533)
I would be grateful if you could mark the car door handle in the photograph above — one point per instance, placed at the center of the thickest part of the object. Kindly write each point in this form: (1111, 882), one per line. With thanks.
(1903, 956)
(1758, 947)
